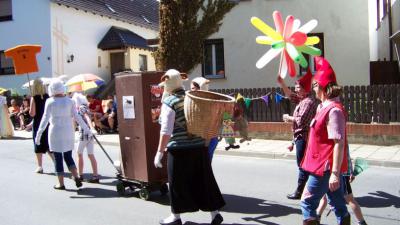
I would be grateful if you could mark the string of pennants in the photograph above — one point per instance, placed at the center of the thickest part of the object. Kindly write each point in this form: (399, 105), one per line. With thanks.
(265, 98)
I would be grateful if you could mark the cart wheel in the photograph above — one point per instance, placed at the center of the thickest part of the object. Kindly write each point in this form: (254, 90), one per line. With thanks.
(120, 188)
(164, 189)
(144, 194)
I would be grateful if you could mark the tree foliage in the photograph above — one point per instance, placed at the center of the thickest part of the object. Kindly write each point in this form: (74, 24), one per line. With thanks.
(184, 25)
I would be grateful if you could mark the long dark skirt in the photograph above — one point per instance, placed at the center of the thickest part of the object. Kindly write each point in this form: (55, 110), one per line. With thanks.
(191, 181)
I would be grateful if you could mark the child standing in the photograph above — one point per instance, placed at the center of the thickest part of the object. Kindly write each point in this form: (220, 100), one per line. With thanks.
(85, 141)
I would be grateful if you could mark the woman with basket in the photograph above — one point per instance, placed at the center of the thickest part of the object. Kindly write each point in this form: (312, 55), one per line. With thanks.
(191, 180)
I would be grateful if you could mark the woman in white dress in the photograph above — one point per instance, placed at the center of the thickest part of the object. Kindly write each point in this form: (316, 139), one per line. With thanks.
(6, 127)
(60, 112)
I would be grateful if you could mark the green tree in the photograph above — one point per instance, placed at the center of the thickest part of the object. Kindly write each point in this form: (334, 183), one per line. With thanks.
(184, 25)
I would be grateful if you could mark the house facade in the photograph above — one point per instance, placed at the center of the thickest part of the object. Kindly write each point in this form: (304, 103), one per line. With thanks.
(80, 36)
(384, 22)
(231, 54)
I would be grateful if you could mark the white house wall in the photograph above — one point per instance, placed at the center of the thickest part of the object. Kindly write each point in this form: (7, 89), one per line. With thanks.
(396, 20)
(30, 25)
(82, 31)
(343, 22)
(379, 38)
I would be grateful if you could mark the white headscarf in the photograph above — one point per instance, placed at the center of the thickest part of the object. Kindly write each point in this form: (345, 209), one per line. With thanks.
(56, 87)
(172, 80)
(202, 82)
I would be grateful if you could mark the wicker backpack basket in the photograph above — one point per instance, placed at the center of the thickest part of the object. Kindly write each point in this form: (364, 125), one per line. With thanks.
(204, 111)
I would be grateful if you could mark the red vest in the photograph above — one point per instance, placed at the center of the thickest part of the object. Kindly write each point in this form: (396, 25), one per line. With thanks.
(319, 147)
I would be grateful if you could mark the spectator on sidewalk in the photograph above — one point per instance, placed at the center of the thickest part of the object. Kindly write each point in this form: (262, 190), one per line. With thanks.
(304, 112)
(6, 126)
(60, 111)
(23, 115)
(191, 180)
(14, 111)
(326, 155)
(38, 101)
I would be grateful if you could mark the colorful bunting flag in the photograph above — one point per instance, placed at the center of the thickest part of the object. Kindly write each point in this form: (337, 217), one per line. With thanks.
(238, 97)
(278, 98)
(266, 99)
(247, 102)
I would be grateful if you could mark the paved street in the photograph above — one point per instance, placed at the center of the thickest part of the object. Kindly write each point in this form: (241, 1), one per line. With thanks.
(254, 189)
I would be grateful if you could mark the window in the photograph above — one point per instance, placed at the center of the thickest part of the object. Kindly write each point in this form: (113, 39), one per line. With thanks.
(213, 64)
(5, 10)
(6, 65)
(309, 58)
(381, 10)
(143, 62)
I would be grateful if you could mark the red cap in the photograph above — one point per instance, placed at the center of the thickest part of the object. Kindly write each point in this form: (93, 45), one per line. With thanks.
(305, 81)
(324, 74)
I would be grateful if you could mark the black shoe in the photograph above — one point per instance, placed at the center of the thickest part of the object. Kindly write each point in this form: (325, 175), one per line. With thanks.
(217, 220)
(235, 146)
(78, 182)
(295, 196)
(59, 187)
(94, 179)
(227, 148)
(176, 222)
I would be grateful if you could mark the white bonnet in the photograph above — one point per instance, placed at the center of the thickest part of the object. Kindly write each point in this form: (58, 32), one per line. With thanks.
(56, 87)
(202, 82)
(172, 80)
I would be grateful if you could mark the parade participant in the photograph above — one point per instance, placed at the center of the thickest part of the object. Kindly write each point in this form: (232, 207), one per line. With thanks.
(326, 156)
(85, 140)
(306, 106)
(200, 83)
(191, 180)
(348, 195)
(59, 111)
(6, 126)
(38, 101)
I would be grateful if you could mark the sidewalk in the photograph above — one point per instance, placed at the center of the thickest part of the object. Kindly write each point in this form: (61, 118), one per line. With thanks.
(386, 156)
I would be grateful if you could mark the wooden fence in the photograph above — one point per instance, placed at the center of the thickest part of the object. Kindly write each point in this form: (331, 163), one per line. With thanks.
(364, 104)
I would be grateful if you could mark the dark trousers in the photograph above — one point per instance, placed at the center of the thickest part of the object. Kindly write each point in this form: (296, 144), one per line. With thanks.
(192, 183)
(301, 145)
(58, 158)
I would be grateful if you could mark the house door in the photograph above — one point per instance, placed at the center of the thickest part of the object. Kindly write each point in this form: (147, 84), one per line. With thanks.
(117, 61)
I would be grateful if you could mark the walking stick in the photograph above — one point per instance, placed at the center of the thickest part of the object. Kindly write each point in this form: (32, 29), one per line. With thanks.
(105, 152)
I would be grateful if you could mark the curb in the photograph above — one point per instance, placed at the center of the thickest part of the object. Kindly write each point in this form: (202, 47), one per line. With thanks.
(371, 162)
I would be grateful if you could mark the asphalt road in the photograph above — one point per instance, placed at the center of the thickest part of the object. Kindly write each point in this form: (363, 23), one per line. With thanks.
(253, 188)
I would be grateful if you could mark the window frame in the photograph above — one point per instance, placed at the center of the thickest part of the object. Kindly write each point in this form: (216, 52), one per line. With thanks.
(213, 42)
(4, 18)
(141, 56)
(6, 70)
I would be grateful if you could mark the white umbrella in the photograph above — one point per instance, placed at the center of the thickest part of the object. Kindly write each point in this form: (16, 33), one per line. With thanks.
(45, 80)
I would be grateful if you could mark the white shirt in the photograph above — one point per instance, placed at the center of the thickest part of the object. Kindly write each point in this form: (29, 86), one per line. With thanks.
(167, 119)
(60, 111)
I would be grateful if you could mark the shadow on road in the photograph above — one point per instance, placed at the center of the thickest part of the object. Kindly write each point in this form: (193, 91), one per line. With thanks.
(193, 223)
(379, 199)
(249, 205)
(90, 192)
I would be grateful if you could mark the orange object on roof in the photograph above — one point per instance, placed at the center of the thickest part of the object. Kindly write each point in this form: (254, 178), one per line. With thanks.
(24, 58)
